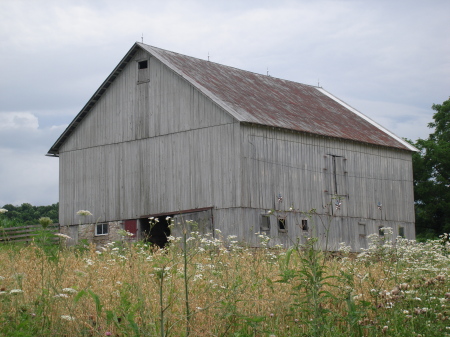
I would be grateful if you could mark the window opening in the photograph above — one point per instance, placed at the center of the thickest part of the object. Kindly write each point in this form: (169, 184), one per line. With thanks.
(101, 229)
(282, 225)
(362, 230)
(304, 224)
(143, 64)
(380, 231)
(143, 72)
(265, 224)
(401, 232)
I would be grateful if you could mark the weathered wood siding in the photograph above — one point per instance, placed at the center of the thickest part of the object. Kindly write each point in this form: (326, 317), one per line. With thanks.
(160, 145)
(299, 167)
(149, 148)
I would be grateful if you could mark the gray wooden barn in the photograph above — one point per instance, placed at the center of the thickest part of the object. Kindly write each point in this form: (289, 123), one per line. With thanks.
(172, 135)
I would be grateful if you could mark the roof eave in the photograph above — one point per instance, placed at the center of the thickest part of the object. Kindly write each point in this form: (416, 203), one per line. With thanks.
(361, 115)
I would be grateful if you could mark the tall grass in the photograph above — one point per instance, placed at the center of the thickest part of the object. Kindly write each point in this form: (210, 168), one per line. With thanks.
(207, 285)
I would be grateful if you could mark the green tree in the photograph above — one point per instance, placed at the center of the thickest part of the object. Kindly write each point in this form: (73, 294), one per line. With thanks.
(27, 214)
(432, 176)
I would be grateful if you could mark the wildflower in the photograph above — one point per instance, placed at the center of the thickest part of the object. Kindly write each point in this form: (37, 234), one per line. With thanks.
(168, 218)
(89, 262)
(67, 317)
(63, 236)
(84, 213)
(385, 328)
(2, 278)
(61, 296)
(3, 292)
(16, 291)
(2, 210)
(108, 333)
(69, 290)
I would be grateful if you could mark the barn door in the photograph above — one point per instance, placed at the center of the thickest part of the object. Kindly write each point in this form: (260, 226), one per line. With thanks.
(336, 186)
(131, 226)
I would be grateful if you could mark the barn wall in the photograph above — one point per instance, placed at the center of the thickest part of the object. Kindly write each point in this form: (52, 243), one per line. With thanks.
(299, 167)
(245, 223)
(149, 148)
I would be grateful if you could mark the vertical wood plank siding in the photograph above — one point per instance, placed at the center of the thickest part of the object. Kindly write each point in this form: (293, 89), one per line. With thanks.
(163, 146)
(149, 148)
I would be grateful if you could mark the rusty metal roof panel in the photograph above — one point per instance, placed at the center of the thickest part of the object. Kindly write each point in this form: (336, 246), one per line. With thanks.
(271, 101)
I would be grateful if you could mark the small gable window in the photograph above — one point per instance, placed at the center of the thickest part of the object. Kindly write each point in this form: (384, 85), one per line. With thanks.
(143, 64)
(143, 71)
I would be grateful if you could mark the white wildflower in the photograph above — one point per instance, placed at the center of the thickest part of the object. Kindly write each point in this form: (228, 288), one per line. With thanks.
(63, 236)
(61, 296)
(84, 213)
(89, 262)
(16, 291)
(67, 317)
(69, 290)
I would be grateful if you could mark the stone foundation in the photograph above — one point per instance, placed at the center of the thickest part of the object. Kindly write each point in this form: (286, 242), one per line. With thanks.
(86, 232)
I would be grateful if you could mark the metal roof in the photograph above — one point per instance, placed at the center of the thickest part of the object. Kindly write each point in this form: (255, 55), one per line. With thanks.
(264, 100)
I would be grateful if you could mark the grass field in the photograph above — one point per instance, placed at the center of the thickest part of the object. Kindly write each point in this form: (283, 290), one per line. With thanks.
(215, 286)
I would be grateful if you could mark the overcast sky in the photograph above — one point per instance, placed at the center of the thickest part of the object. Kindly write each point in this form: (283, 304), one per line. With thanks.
(389, 59)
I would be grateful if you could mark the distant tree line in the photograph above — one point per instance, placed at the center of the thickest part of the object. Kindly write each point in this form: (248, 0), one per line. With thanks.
(27, 214)
(432, 176)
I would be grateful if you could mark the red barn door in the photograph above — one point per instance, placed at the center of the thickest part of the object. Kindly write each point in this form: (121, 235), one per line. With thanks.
(131, 226)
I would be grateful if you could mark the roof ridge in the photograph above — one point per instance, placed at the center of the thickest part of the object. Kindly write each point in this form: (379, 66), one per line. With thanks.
(227, 66)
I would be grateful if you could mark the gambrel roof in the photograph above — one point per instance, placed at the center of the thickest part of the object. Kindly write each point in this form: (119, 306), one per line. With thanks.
(260, 99)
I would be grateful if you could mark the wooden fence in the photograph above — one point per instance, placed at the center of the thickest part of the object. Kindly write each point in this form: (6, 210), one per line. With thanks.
(27, 233)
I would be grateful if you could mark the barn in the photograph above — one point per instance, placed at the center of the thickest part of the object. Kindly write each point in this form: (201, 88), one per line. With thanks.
(168, 135)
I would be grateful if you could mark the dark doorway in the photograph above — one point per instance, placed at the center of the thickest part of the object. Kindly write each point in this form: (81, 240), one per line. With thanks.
(155, 231)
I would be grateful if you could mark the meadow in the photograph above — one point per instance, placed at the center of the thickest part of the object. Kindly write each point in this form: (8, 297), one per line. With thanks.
(209, 285)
